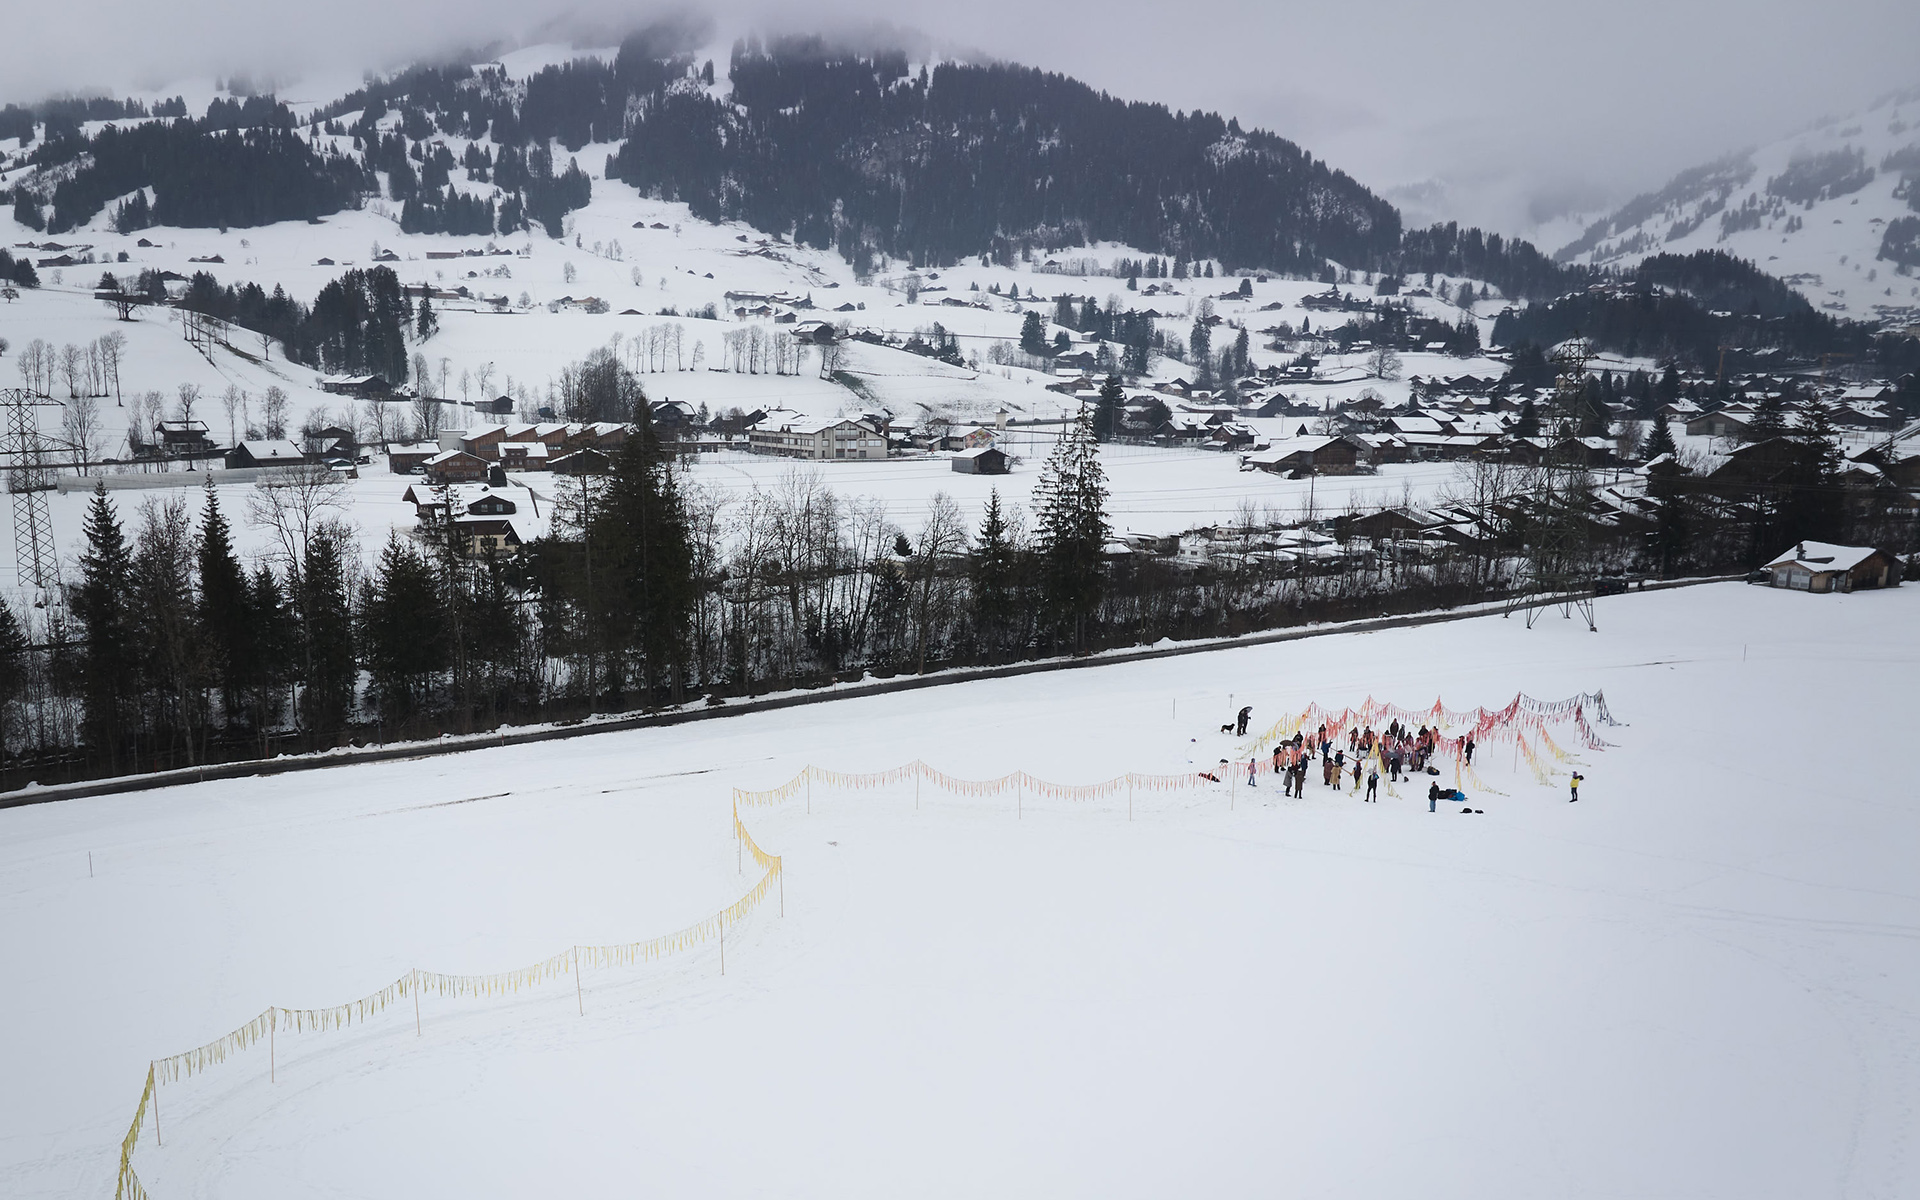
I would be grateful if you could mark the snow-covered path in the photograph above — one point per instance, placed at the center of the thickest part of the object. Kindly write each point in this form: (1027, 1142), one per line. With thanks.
(1699, 981)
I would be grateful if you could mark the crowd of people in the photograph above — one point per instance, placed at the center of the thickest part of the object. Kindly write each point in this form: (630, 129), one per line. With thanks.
(1400, 751)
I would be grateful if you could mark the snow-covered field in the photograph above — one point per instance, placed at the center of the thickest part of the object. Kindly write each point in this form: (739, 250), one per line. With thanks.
(1699, 981)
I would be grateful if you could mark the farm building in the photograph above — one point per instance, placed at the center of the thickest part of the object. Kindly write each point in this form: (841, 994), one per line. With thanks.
(982, 461)
(1823, 567)
(1337, 455)
(280, 453)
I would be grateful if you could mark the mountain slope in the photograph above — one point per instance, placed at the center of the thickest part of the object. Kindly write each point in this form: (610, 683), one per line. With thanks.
(1830, 210)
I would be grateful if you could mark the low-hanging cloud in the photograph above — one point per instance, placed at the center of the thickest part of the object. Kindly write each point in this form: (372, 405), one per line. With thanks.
(1493, 111)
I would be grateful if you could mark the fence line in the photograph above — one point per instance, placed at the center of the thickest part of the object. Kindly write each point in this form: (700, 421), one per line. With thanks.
(416, 983)
(1524, 720)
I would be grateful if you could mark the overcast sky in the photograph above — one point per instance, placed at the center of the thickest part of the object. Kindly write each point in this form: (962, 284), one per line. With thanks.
(1514, 108)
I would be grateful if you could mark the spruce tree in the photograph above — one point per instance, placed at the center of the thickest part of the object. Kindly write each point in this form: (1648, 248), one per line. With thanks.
(1660, 437)
(273, 636)
(1769, 418)
(1033, 334)
(1815, 508)
(1106, 414)
(1071, 499)
(14, 650)
(1200, 350)
(326, 637)
(109, 661)
(1668, 389)
(995, 566)
(223, 607)
(643, 555)
(426, 321)
(1527, 425)
(401, 630)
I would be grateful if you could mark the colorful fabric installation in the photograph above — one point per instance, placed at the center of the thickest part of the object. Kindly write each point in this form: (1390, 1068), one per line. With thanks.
(1523, 721)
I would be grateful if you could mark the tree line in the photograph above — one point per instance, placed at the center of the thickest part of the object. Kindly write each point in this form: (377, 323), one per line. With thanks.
(169, 650)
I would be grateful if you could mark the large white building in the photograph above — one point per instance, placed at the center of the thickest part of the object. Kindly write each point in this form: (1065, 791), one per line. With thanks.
(823, 439)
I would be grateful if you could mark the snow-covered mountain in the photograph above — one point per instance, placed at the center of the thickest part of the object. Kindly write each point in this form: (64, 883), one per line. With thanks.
(1833, 209)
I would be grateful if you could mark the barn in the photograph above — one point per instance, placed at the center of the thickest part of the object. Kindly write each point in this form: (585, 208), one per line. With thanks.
(984, 460)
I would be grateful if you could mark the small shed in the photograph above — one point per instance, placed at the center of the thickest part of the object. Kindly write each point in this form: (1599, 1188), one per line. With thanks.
(982, 461)
(1824, 567)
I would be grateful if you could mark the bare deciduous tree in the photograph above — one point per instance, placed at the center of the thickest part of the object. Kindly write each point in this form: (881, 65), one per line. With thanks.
(231, 400)
(113, 351)
(426, 417)
(72, 368)
(273, 413)
(80, 425)
(292, 505)
(942, 537)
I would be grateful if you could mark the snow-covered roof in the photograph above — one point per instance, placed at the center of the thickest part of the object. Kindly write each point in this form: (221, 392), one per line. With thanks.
(804, 425)
(270, 451)
(1823, 556)
(1284, 448)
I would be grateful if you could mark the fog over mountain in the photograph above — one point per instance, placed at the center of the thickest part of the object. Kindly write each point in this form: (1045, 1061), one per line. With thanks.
(1493, 111)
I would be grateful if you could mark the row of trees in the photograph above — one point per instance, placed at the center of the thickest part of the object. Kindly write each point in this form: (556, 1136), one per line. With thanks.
(169, 651)
(647, 591)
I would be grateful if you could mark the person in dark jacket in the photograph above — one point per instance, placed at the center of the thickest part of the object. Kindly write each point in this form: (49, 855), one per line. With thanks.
(1433, 797)
(1469, 751)
(1240, 729)
(1373, 785)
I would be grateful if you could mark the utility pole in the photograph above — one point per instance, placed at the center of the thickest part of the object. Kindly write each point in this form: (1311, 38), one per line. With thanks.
(29, 479)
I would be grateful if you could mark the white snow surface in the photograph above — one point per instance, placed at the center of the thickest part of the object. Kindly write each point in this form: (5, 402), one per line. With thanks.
(1698, 981)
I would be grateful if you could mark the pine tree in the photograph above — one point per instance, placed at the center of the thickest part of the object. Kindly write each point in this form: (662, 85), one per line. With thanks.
(1106, 418)
(326, 637)
(273, 636)
(995, 566)
(1071, 498)
(1528, 423)
(1200, 351)
(401, 630)
(1815, 508)
(426, 321)
(1769, 418)
(641, 529)
(223, 607)
(14, 649)
(1659, 438)
(1033, 334)
(1668, 389)
(109, 662)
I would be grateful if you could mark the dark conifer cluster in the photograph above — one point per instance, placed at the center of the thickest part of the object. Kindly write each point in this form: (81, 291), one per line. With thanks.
(357, 324)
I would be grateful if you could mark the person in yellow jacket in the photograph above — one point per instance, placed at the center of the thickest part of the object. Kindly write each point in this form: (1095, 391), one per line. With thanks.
(1575, 783)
